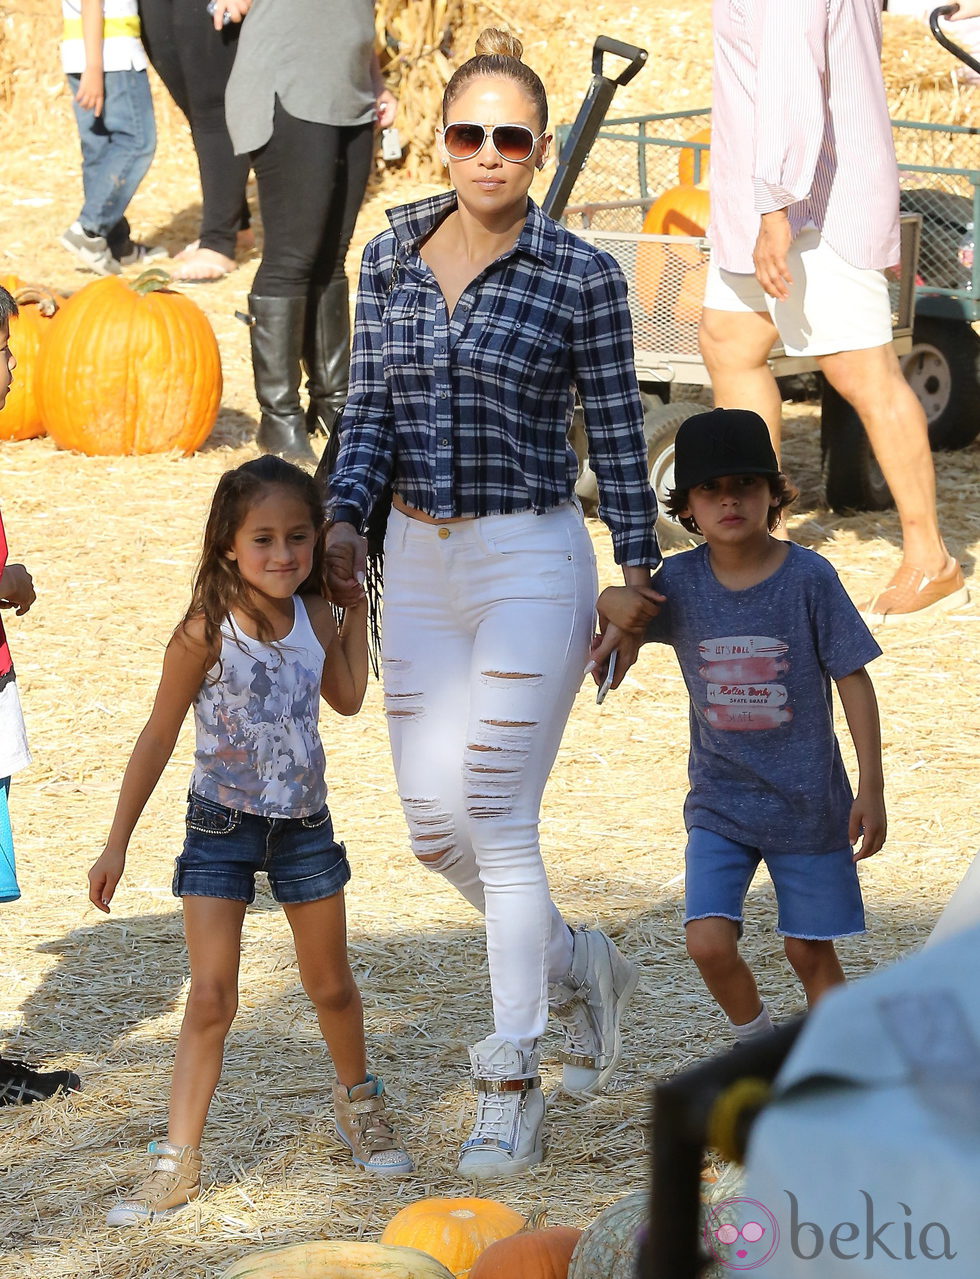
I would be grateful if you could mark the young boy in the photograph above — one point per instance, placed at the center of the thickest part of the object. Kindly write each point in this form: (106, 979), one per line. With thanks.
(19, 1083)
(106, 68)
(760, 627)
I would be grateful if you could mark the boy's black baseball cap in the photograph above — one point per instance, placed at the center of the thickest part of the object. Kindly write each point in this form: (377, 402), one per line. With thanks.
(722, 442)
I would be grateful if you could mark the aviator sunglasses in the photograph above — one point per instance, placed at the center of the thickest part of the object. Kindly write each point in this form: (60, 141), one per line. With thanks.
(463, 139)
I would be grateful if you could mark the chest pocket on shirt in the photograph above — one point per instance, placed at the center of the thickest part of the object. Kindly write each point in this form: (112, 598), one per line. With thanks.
(508, 353)
(400, 339)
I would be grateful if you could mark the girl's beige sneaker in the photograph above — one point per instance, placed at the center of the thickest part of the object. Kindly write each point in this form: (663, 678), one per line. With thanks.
(173, 1180)
(362, 1124)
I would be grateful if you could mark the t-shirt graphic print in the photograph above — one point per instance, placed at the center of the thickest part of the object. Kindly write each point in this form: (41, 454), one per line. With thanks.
(742, 673)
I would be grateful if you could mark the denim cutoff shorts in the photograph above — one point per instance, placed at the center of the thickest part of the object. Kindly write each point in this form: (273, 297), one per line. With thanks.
(224, 848)
(818, 894)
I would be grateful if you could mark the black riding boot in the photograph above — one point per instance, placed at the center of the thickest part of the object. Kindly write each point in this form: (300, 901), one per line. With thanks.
(277, 346)
(326, 354)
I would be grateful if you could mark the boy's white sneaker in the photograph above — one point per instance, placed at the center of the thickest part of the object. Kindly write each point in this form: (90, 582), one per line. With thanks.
(589, 1003)
(506, 1138)
(91, 250)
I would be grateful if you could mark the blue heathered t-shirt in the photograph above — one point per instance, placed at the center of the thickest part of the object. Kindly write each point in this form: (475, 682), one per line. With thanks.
(765, 767)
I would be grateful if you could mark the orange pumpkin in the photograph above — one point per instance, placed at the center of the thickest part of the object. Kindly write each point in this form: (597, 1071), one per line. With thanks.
(682, 210)
(129, 368)
(454, 1231)
(687, 162)
(530, 1254)
(676, 212)
(21, 419)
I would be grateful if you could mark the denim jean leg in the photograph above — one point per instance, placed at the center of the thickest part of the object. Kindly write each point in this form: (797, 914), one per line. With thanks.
(117, 148)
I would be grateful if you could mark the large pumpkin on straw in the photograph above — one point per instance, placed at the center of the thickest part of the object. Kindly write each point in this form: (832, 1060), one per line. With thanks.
(129, 368)
(454, 1231)
(20, 418)
(610, 1247)
(542, 1253)
(336, 1259)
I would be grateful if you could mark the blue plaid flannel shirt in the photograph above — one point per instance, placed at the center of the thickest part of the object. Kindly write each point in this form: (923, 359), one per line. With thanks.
(468, 414)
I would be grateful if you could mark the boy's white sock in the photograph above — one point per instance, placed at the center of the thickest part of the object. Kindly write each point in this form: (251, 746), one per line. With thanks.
(760, 1025)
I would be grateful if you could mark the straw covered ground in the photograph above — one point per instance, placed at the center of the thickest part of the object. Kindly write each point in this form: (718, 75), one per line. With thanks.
(112, 545)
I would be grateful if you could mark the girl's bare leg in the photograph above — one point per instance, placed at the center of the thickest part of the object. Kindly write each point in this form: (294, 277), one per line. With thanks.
(320, 935)
(213, 928)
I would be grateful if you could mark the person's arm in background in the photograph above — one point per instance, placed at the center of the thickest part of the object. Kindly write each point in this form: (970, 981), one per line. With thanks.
(385, 102)
(790, 109)
(91, 86)
(16, 589)
(965, 9)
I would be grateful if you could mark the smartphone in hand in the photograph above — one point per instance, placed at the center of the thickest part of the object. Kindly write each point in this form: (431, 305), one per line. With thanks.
(606, 684)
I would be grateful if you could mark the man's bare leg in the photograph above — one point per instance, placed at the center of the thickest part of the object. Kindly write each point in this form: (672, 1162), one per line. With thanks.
(872, 382)
(928, 578)
(735, 347)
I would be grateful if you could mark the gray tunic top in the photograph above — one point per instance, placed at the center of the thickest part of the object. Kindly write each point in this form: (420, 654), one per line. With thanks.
(314, 55)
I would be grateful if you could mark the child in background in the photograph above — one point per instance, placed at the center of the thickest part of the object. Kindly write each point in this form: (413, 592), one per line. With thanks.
(20, 1084)
(106, 65)
(760, 627)
(256, 649)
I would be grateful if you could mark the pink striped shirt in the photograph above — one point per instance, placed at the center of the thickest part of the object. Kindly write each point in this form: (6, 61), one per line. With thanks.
(800, 122)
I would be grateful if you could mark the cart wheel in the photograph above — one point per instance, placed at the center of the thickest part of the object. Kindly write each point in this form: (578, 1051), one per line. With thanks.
(660, 426)
(852, 478)
(943, 369)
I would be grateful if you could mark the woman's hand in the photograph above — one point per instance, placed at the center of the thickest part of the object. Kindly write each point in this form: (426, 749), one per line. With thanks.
(91, 90)
(103, 878)
(627, 645)
(385, 107)
(346, 564)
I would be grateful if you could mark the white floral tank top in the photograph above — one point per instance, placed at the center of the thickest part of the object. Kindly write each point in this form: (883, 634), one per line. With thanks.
(258, 745)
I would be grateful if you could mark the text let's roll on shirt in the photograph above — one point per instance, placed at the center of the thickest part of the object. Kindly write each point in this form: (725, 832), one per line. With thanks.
(765, 767)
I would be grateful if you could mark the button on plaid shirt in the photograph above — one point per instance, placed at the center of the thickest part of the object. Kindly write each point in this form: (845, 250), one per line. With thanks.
(468, 414)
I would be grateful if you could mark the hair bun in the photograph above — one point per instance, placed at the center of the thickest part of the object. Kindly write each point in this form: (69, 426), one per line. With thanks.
(500, 43)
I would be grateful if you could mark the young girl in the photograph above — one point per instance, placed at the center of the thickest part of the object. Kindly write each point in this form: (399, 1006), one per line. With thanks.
(256, 648)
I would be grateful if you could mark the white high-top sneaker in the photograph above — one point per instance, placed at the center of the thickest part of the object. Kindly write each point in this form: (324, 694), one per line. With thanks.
(589, 1004)
(506, 1138)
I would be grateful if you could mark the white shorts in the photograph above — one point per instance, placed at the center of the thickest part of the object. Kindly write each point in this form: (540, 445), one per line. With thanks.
(832, 305)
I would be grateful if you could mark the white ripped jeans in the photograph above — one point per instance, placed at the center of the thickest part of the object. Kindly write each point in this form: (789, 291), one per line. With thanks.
(487, 627)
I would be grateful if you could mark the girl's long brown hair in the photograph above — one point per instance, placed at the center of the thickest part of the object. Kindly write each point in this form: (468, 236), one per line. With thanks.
(218, 584)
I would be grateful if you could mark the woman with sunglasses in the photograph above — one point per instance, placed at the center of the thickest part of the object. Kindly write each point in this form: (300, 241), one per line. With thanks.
(477, 320)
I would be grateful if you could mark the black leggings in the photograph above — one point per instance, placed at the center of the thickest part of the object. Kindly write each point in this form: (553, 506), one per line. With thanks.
(194, 62)
(312, 179)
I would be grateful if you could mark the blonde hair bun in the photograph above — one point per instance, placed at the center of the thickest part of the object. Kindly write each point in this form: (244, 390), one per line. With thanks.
(492, 41)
